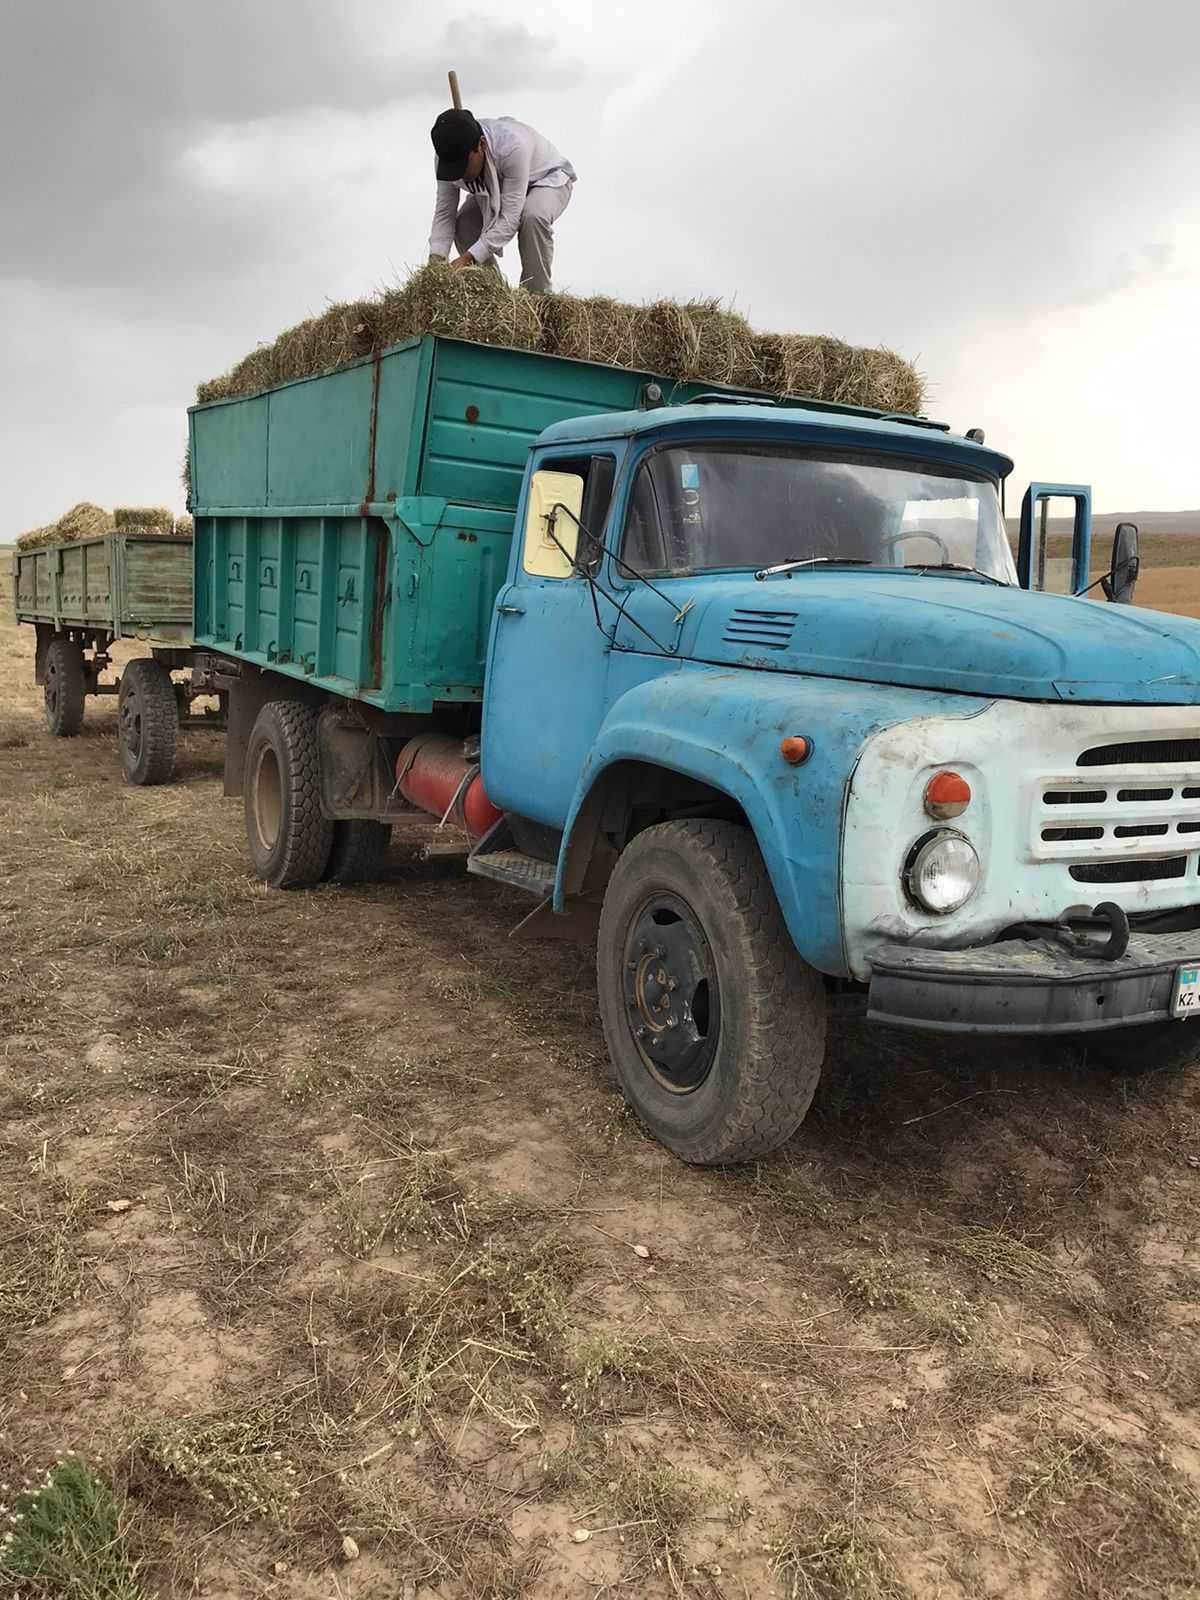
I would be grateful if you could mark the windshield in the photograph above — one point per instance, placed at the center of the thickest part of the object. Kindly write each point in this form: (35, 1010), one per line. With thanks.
(705, 507)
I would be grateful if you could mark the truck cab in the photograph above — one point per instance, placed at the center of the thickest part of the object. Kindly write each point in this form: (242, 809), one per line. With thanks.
(765, 687)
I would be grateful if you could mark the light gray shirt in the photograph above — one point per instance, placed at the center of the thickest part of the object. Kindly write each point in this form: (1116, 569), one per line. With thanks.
(516, 159)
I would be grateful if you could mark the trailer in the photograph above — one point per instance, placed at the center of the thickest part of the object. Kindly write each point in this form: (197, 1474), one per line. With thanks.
(84, 596)
(755, 693)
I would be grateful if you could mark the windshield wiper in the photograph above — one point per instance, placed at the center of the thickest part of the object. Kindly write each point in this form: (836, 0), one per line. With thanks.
(793, 565)
(957, 566)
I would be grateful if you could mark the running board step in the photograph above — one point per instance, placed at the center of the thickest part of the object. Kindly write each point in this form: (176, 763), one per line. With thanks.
(516, 868)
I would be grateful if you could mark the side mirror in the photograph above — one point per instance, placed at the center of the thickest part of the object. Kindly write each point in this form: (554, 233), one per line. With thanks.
(1126, 563)
(552, 536)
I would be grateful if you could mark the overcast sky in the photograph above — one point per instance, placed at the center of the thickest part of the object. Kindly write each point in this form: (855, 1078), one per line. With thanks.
(1004, 192)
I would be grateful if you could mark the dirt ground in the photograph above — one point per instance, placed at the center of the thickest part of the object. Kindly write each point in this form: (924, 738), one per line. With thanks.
(328, 1246)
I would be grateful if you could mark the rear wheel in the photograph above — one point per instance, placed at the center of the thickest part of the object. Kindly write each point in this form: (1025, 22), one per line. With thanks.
(148, 722)
(715, 1025)
(64, 687)
(289, 838)
(358, 850)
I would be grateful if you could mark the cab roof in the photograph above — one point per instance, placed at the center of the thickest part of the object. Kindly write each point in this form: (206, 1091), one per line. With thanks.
(845, 427)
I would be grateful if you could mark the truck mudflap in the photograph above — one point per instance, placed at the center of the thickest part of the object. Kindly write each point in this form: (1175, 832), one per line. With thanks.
(1032, 985)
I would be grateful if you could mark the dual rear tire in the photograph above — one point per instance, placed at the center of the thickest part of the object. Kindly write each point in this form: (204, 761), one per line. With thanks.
(292, 843)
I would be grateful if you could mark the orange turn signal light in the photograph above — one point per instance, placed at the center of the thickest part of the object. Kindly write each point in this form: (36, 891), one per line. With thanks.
(947, 794)
(795, 750)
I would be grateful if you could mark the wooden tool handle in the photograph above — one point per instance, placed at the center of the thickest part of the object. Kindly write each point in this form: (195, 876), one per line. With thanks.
(455, 94)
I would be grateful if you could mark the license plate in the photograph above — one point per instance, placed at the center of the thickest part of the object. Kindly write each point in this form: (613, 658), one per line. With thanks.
(1186, 1002)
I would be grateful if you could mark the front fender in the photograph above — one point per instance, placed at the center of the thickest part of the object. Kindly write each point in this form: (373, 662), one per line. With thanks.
(723, 728)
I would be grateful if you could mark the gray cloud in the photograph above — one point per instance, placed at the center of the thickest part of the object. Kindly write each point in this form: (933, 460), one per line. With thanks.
(178, 183)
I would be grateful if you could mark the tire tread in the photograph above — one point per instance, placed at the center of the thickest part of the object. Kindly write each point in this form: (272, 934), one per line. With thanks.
(782, 1067)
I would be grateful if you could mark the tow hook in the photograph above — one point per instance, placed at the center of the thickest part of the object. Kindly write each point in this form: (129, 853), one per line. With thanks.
(1082, 944)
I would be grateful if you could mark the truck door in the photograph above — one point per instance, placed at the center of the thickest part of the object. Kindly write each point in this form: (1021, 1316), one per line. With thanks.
(548, 659)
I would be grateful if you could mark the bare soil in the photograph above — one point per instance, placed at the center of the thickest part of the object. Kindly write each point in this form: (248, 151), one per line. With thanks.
(317, 1223)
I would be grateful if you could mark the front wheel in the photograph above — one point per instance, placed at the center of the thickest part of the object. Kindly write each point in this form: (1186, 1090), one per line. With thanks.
(715, 1025)
(289, 838)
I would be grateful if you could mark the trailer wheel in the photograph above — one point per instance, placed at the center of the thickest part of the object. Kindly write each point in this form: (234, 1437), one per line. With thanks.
(147, 722)
(64, 687)
(715, 1025)
(288, 836)
(358, 851)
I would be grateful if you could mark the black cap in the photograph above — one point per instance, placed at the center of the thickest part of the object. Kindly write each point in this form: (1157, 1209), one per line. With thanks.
(455, 134)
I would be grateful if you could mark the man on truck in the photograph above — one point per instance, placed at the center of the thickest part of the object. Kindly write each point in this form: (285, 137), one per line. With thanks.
(517, 184)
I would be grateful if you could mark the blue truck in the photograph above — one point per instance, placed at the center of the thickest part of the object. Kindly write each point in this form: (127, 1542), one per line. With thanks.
(753, 693)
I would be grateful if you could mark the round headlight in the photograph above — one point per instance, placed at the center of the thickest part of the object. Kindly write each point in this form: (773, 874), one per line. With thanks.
(942, 872)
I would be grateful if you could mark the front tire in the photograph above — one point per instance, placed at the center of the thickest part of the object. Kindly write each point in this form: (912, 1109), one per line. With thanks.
(148, 722)
(289, 838)
(715, 1025)
(64, 687)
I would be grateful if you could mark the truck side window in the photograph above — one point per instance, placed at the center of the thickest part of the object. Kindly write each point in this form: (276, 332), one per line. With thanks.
(642, 546)
(598, 474)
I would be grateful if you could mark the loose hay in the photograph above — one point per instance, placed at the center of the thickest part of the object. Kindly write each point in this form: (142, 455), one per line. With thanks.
(696, 341)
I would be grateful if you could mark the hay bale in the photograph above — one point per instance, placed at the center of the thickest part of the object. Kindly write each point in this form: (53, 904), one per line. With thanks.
(156, 519)
(696, 341)
(83, 521)
(591, 328)
(476, 305)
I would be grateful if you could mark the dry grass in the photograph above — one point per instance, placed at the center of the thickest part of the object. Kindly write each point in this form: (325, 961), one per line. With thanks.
(697, 341)
(337, 1181)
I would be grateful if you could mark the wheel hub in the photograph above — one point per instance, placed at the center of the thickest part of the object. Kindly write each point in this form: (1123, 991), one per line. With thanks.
(671, 993)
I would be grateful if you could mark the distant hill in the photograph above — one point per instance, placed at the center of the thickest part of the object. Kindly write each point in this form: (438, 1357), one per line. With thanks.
(1164, 524)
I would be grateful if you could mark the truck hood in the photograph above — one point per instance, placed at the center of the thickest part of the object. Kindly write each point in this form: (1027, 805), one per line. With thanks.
(929, 632)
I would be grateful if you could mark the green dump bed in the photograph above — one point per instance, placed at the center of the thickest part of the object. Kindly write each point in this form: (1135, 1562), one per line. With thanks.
(352, 529)
(124, 584)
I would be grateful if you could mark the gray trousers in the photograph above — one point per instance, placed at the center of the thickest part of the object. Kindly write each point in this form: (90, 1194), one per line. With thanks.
(535, 236)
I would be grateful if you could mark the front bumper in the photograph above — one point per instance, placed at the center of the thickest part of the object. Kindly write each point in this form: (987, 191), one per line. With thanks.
(1027, 986)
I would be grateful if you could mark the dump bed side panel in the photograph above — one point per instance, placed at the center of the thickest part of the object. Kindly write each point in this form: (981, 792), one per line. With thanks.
(487, 406)
(352, 529)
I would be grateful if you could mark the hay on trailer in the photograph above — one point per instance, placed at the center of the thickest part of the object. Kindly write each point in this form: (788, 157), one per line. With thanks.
(185, 528)
(154, 519)
(84, 521)
(696, 341)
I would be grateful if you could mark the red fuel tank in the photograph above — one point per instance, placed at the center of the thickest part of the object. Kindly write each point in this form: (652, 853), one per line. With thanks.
(433, 773)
